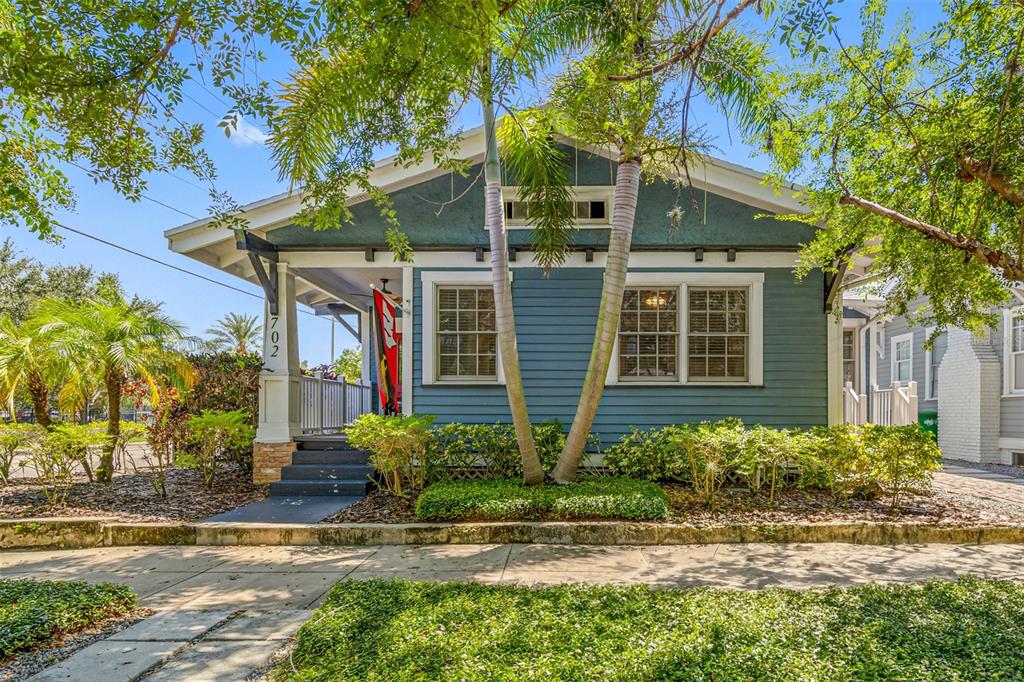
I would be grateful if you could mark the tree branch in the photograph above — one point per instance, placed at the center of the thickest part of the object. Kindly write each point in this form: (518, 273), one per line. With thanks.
(1000, 184)
(1011, 267)
(688, 50)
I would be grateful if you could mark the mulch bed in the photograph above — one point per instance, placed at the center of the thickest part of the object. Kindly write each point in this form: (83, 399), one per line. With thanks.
(24, 666)
(798, 506)
(743, 507)
(131, 497)
(377, 507)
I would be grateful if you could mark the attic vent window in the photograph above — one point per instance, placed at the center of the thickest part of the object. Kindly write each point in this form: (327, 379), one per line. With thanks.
(589, 211)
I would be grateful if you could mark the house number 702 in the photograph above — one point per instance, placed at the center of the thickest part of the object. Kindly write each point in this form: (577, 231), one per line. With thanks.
(274, 338)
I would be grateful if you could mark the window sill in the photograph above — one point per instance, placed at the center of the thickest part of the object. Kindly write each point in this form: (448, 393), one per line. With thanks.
(685, 384)
(464, 382)
(1012, 395)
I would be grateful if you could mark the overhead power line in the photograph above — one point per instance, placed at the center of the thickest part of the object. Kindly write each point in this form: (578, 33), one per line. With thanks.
(161, 262)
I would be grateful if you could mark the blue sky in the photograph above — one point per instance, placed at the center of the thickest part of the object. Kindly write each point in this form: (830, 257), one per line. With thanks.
(247, 173)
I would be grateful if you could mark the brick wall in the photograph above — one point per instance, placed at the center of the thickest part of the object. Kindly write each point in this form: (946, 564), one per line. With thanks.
(267, 460)
(969, 388)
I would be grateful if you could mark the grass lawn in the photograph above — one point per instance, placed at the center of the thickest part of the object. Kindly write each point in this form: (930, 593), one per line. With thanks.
(400, 630)
(600, 498)
(35, 613)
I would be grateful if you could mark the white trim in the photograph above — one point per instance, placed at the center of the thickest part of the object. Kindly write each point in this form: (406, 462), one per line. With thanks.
(408, 324)
(1016, 444)
(834, 365)
(604, 193)
(467, 259)
(432, 279)
(755, 360)
(928, 374)
(1009, 389)
(909, 337)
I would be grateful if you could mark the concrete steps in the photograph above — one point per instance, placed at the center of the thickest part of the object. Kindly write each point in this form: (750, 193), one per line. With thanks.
(324, 466)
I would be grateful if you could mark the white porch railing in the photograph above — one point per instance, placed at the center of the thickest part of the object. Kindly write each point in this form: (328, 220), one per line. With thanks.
(855, 405)
(894, 406)
(328, 406)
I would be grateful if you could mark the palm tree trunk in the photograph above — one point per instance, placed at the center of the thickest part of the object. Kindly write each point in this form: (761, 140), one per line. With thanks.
(505, 323)
(114, 383)
(627, 185)
(40, 395)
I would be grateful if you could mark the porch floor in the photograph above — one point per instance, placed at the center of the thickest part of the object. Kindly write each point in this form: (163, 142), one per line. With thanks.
(295, 509)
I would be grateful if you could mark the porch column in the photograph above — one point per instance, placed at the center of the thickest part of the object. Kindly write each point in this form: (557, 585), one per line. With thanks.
(280, 418)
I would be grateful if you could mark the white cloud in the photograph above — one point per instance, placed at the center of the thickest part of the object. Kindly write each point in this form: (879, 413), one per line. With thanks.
(246, 134)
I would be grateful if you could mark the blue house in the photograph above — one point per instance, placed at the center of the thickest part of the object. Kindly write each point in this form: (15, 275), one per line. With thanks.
(714, 322)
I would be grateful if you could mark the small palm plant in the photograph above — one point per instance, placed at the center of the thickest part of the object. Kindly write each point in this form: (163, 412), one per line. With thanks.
(115, 340)
(237, 332)
(27, 362)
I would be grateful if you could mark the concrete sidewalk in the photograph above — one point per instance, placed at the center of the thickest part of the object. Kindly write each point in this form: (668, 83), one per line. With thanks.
(223, 611)
(276, 578)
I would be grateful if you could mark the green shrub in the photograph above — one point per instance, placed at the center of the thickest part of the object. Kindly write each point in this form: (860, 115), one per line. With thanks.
(14, 437)
(34, 613)
(215, 434)
(713, 451)
(397, 445)
(57, 455)
(490, 450)
(404, 631)
(621, 498)
(834, 459)
(652, 455)
(901, 459)
(767, 455)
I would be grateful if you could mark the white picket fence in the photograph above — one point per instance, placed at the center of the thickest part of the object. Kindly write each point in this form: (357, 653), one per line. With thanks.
(328, 405)
(893, 406)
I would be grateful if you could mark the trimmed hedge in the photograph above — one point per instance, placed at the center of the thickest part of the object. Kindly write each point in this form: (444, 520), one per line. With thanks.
(611, 498)
(399, 630)
(34, 613)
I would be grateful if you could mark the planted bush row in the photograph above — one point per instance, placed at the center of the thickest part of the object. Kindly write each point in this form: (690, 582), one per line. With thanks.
(846, 461)
(509, 499)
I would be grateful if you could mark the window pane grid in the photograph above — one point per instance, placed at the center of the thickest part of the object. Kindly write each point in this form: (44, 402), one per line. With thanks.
(649, 333)
(717, 336)
(466, 333)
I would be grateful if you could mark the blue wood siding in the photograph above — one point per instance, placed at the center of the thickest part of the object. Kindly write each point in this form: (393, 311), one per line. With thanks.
(555, 319)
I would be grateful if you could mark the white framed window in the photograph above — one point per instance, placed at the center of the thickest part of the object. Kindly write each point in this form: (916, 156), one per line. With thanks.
(850, 357)
(932, 359)
(902, 355)
(592, 206)
(460, 343)
(1013, 351)
(690, 328)
(717, 333)
(648, 341)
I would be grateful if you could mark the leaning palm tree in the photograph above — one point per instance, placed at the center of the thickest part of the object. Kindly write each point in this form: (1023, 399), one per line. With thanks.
(27, 362)
(115, 340)
(398, 74)
(237, 332)
(625, 95)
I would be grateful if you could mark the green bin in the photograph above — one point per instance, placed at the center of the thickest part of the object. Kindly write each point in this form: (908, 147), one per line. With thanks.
(929, 421)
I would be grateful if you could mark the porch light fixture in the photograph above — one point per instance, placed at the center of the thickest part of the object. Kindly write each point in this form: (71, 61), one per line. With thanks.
(698, 254)
(479, 252)
(731, 255)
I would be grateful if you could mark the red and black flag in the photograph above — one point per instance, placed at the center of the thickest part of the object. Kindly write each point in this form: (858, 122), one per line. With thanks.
(387, 352)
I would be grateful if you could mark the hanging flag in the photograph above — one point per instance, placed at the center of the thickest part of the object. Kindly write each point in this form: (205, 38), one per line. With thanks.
(387, 352)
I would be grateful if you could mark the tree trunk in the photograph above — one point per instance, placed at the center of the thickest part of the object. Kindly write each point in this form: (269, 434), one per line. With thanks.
(505, 324)
(40, 395)
(114, 383)
(627, 185)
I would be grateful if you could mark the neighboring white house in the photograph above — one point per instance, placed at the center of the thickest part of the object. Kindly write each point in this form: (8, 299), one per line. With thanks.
(971, 387)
